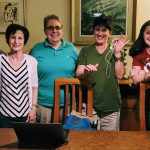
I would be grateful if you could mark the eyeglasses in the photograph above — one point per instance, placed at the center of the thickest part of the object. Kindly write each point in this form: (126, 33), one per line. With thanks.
(51, 28)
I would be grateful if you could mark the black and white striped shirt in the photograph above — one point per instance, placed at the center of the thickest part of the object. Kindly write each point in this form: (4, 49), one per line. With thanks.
(14, 89)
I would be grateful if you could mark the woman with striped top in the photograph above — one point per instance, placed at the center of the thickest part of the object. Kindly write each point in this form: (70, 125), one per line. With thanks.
(18, 80)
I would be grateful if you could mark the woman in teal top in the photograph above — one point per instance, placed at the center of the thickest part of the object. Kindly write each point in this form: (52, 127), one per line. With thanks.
(56, 59)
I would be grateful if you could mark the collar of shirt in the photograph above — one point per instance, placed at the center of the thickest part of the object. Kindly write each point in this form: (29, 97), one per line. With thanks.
(48, 44)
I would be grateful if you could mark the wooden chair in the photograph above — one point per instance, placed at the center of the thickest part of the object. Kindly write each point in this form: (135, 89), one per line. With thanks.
(143, 88)
(72, 83)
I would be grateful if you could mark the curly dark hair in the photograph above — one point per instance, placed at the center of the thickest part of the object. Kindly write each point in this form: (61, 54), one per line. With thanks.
(103, 20)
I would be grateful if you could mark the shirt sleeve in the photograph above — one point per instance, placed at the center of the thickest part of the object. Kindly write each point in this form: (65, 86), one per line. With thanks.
(82, 58)
(34, 74)
(75, 52)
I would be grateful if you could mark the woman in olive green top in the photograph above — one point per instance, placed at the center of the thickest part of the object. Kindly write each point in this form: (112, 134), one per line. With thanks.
(101, 63)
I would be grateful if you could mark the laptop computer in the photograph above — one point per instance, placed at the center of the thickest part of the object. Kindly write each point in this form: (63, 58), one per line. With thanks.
(37, 135)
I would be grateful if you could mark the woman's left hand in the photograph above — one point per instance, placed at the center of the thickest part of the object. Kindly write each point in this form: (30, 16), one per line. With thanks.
(32, 116)
(119, 43)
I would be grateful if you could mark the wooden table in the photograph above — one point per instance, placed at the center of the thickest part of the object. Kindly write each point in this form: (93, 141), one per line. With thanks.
(89, 140)
(96, 140)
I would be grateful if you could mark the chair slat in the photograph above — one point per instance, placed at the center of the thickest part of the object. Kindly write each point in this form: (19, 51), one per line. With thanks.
(80, 98)
(73, 98)
(66, 99)
(76, 86)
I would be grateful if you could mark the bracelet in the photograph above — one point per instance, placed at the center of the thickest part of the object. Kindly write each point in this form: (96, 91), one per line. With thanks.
(34, 105)
(116, 54)
(117, 59)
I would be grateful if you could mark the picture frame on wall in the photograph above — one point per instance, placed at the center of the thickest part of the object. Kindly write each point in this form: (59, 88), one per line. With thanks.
(84, 12)
(11, 11)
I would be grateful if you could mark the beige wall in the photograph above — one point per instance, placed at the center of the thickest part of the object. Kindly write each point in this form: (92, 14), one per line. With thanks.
(143, 7)
(36, 10)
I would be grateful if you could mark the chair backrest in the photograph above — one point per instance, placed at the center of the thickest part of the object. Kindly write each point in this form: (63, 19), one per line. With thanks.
(75, 85)
(143, 87)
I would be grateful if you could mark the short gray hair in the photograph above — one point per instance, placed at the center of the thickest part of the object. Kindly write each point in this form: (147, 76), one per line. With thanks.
(51, 17)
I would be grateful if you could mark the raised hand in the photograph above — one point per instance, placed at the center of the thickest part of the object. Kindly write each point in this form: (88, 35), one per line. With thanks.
(119, 42)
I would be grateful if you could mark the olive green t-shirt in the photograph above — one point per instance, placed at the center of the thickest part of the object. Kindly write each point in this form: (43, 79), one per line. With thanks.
(106, 89)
